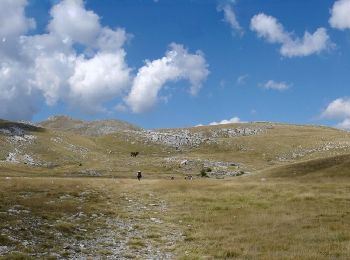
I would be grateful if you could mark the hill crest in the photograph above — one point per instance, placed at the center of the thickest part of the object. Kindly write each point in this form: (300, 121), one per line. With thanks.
(90, 128)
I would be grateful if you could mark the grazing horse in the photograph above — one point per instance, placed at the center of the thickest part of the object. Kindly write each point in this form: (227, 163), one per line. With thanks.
(134, 154)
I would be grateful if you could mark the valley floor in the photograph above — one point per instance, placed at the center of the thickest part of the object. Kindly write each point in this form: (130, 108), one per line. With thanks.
(247, 217)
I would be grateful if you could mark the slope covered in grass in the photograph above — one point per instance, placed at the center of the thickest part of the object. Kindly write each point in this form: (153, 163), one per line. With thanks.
(92, 128)
(294, 205)
(329, 167)
(68, 146)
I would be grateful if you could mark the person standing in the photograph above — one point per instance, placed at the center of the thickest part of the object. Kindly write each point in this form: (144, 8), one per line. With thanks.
(139, 175)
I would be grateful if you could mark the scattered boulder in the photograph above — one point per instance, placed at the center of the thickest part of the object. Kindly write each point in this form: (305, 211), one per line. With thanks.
(185, 138)
(90, 172)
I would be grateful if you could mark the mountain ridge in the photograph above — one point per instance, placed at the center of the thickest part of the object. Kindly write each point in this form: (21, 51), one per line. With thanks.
(103, 147)
(92, 128)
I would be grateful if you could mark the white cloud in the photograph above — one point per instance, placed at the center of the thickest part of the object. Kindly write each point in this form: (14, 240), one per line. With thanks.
(50, 74)
(13, 24)
(98, 79)
(269, 28)
(48, 67)
(12, 18)
(345, 124)
(340, 15)
(230, 17)
(227, 121)
(280, 86)
(71, 21)
(310, 44)
(111, 40)
(177, 64)
(241, 80)
(339, 109)
(18, 99)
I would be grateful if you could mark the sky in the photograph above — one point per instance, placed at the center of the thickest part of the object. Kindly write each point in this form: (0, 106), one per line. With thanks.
(167, 63)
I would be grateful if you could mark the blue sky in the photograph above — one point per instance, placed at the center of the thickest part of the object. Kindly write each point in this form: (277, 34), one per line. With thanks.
(239, 71)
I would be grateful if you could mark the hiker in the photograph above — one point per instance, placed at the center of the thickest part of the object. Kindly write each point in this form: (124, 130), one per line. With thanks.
(139, 175)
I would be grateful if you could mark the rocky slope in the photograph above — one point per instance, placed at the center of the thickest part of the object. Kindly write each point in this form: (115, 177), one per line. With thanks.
(102, 148)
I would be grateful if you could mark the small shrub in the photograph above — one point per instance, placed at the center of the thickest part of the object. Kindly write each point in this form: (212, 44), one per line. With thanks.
(65, 227)
(240, 173)
(203, 173)
(18, 256)
(229, 254)
(136, 243)
(4, 240)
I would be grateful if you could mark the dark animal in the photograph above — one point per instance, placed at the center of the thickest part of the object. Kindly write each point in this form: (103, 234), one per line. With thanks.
(139, 175)
(134, 154)
(189, 177)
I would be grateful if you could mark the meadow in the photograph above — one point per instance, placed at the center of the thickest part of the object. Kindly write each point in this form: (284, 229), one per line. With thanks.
(249, 217)
(81, 200)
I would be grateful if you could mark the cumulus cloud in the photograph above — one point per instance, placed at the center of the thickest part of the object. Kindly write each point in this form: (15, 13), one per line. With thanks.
(340, 18)
(280, 86)
(17, 99)
(97, 79)
(13, 24)
(12, 18)
(49, 67)
(72, 22)
(177, 64)
(230, 17)
(345, 124)
(269, 28)
(50, 74)
(339, 109)
(227, 121)
(111, 40)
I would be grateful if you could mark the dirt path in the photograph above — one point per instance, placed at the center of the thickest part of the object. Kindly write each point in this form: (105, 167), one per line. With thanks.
(143, 234)
(93, 224)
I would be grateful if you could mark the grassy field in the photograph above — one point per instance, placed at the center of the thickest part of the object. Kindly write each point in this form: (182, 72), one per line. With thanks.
(294, 203)
(248, 217)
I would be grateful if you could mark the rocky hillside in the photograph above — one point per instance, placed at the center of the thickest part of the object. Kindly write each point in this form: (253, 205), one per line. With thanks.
(91, 128)
(102, 148)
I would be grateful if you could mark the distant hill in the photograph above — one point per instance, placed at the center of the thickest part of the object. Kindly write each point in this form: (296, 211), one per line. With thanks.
(103, 148)
(91, 128)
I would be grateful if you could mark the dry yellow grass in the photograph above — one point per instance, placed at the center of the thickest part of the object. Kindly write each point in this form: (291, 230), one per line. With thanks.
(296, 209)
(243, 218)
(251, 219)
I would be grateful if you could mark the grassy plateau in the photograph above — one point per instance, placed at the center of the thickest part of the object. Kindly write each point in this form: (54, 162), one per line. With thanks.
(293, 202)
